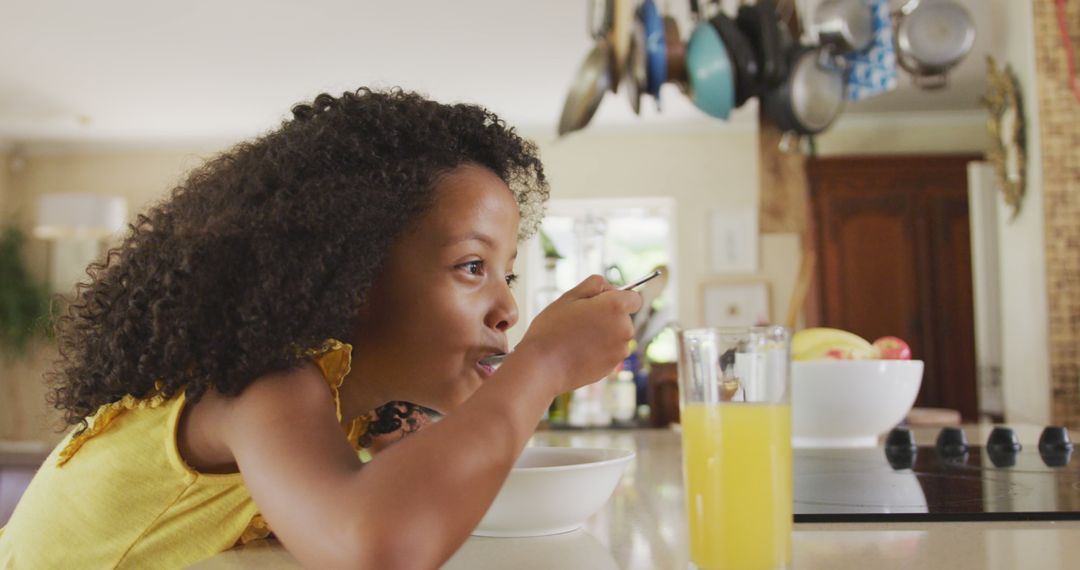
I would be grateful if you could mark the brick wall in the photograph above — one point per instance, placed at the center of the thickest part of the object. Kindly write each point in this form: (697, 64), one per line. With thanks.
(1059, 120)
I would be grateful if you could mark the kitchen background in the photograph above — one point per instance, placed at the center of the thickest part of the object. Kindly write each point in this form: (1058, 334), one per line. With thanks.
(121, 99)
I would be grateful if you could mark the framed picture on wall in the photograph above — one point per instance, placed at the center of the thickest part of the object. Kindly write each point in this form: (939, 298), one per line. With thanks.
(733, 240)
(735, 303)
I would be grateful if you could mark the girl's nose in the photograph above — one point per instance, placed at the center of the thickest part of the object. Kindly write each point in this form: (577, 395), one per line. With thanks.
(503, 313)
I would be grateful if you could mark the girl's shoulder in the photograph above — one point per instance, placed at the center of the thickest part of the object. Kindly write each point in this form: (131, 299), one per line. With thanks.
(305, 390)
(207, 435)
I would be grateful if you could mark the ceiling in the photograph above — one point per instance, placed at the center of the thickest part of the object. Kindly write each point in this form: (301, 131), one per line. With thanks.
(204, 70)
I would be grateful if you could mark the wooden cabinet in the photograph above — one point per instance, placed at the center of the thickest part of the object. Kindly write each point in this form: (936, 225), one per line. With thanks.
(894, 249)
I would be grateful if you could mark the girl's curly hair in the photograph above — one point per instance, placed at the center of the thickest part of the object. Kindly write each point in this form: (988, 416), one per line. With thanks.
(271, 247)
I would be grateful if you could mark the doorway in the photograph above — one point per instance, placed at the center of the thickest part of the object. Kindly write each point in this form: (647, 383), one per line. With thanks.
(894, 243)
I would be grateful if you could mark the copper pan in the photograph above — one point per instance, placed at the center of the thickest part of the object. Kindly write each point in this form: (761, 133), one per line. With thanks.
(676, 53)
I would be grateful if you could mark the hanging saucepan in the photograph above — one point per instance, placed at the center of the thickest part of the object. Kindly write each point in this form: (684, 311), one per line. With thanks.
(709, 68)
(593, 79)
(742, 56)
(932, 37)
(674, 53)
(622, 20)
(634, 73)
(655, 48)
(844, 25)
(812, 96)
(761, 26)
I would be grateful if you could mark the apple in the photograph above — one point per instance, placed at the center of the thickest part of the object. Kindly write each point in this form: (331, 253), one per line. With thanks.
(837, 354)
(893, 348)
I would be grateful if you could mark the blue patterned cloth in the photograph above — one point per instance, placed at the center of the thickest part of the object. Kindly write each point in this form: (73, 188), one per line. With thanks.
(873, 71)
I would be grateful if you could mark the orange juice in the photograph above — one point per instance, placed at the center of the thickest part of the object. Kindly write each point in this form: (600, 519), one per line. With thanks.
(737, 468)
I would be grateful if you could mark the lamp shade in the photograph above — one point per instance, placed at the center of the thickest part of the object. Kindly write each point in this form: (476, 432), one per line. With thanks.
(79, 216)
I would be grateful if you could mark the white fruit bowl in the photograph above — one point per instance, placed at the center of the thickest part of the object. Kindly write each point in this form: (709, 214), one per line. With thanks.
(850, 403)
(552, 490)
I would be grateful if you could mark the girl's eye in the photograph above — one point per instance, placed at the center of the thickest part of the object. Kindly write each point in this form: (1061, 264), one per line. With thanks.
(474, 267)
(477, 268)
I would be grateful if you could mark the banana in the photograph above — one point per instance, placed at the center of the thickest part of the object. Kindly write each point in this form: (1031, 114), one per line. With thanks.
(821, 342)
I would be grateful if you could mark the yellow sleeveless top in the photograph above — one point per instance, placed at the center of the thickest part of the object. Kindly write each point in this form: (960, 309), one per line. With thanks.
(119, 495)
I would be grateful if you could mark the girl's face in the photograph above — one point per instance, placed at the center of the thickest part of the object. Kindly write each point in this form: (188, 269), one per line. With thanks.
(442, 301)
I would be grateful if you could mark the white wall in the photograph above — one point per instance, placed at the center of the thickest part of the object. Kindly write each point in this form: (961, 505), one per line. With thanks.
(906, 133)
(1022, 254)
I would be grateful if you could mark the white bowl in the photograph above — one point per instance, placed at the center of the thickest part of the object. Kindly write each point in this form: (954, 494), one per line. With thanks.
(850, 403)
(553, 490)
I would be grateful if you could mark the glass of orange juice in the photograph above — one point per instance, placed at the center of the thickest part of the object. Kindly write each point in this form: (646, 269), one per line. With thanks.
(734, 387)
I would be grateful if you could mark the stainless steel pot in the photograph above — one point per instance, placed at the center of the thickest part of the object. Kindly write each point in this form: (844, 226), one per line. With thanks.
(812, 96)
(844, 25)
(931, 38)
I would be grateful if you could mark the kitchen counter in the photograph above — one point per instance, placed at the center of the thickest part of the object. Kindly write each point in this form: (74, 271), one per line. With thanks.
(19, 460)
(643, 527)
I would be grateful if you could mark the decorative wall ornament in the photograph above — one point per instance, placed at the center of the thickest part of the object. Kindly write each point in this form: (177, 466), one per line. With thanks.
(1008, 152)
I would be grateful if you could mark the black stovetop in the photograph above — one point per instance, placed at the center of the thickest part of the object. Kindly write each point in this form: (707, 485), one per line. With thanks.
(934, 483)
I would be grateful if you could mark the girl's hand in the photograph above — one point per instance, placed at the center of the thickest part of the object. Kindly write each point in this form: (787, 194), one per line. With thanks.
(584, 334)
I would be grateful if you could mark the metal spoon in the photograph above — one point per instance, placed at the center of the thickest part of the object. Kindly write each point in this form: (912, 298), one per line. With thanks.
(496, 359)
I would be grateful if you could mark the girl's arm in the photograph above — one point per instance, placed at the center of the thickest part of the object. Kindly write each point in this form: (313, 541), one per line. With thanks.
(418, 501)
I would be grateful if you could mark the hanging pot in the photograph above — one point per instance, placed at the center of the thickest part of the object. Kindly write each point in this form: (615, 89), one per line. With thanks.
(618, 35)
(634, 73)
(593, 79)
(674, 52)
(812, 96)
(761, 26)
(742, 56)
(931, 38)
(655, 48)
(709, 68)
(844, 25)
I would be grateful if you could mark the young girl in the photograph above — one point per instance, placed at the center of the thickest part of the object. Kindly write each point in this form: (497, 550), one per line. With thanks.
(223, 363)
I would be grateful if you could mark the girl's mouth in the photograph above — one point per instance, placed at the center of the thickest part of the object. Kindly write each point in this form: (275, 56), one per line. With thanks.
(485, 369)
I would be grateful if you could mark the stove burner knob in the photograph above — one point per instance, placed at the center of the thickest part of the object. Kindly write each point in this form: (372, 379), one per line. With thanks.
(1003, 440)
(900, 438)
(951, 442)
(1001, 458)
(1055, 439)
(1055, 448)
(1002, 446)
(900, 448)
(1056, 458)
(900, 458)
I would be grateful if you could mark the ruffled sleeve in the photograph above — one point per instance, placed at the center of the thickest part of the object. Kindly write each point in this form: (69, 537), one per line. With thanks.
(334, 359)
(102, 420)
(257, 529)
